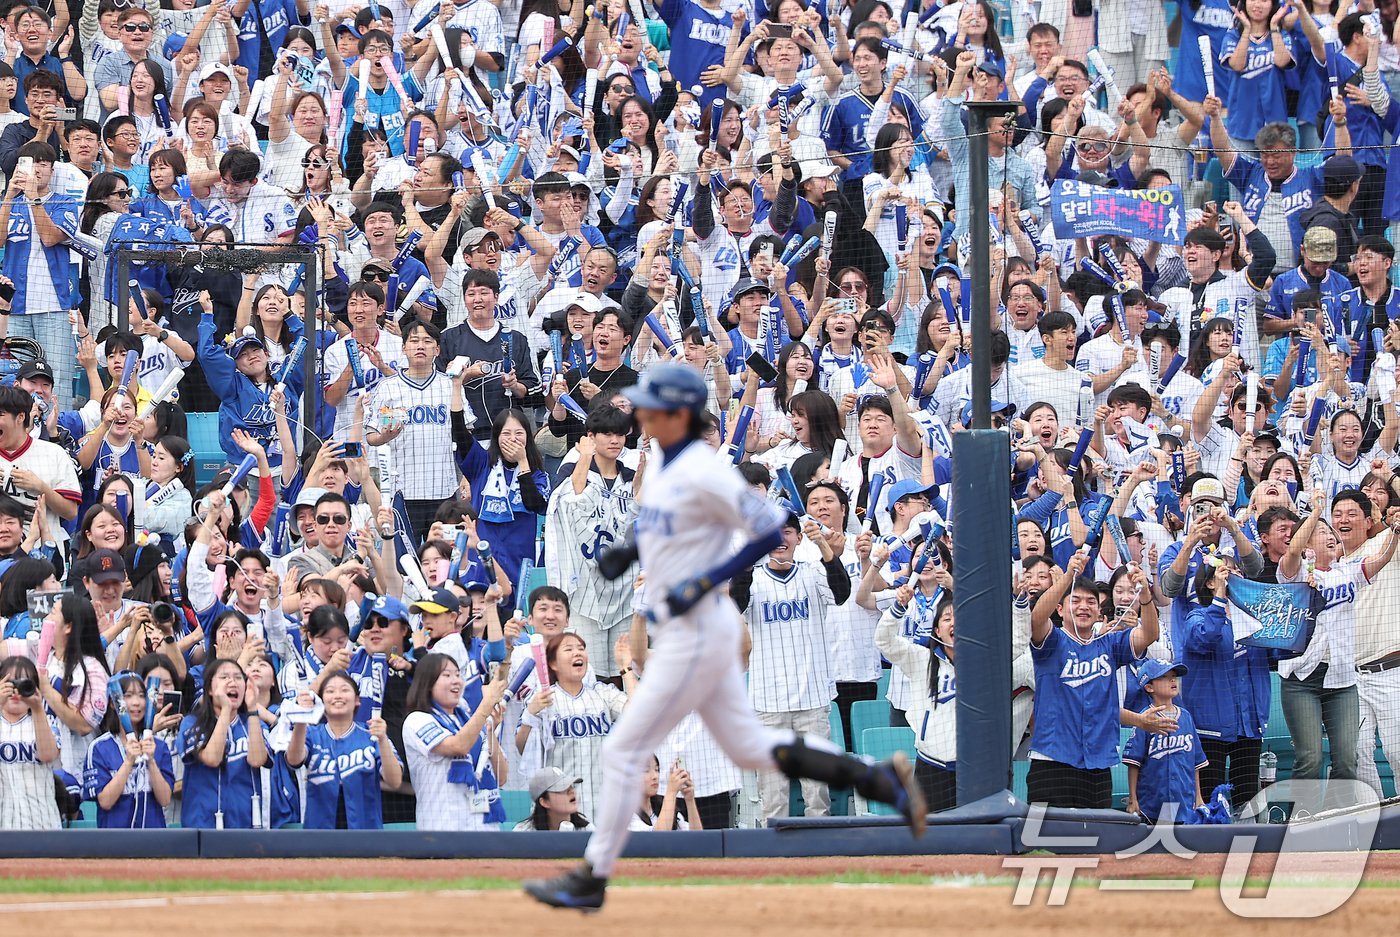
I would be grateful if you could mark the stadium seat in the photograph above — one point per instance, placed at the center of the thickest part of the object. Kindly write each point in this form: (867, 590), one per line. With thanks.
(880, 743)
(883, 684)
(204, 441)
(1019, 771)
(868, 714)
(838, 728)
(518, 806)
(401, 826)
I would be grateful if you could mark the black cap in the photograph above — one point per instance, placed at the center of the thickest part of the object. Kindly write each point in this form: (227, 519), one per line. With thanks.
(34, 369)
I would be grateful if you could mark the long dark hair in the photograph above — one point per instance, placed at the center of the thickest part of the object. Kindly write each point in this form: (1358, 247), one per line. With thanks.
(204, 714)
(84, 640)
(944, 603)
(823, 419)
(539, 817)
(781, 391)
(94, 207)
(24, 576)
(91, 514)
(1199, 358)
(532, 452)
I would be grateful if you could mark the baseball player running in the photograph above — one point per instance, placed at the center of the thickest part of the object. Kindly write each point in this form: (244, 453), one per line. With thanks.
(690, 511)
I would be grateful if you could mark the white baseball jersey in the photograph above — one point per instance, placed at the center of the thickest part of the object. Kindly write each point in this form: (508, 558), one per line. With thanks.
(894, 463)
(690, 509)
(334, 363)
(790, 666)
(580, 527)
(853, 655)
(26, 785)
(423, 466)
(524, 764)
(261, 218)
(710, 769)
(442, 805)
(52, 464)
(573, 734)
(1104, 354)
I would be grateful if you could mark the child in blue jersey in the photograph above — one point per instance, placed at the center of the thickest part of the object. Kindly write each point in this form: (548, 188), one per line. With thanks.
(221, 745)
(346, 763)
(130, 777)
(1164, 769)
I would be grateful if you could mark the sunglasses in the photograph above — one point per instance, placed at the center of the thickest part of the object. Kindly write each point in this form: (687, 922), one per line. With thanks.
(337, 519)
(136, 27)
(1093, 146)
(375, 623)
(122, 193)
(380, 276)
(314, 162)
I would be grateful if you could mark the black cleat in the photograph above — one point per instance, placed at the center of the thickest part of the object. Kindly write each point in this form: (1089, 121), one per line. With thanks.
(908, 798)
(578, 888)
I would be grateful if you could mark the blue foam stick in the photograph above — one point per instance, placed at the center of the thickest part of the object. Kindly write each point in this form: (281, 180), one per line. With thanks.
(1096, 520)
(488, 561)
(901, 226)
(522, 588)
(1120, 542)
(556, 50)
(128, 369)
(1300, 374)
(556, 345)
(410, 241)
(576, 353)
(391, 293)
(163, 110)
(455, 567)
(1086, 436)
(357, 367)
(279, 528)
(653, 323)
(1088, 266)
(425, 21)
(965, 296)
(1314, 418)
(872, 501)
(518, 681)
(1120, 315)
(410, 151)
(1114, 265)
(716, 115)
(738, 437)
(290, 362)
(124, 505)
(1178, 470)
(949, 310)
(790, 486)
(1237, 333)
(922, 367)
(139, 298)
(770, 334)
(806, 250)
(249, 463)
(697, 307)
(1378, 341)
(459, 181)
(374, 9)
(152, 701)
(623, 21)
(793, 246)
(570, 404)
(298, 278)
(679, 268)
(1032, 229)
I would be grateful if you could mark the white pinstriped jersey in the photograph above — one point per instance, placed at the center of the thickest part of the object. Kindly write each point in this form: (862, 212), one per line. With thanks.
(421, 455)
(336, 360)
(573, 734)
(26, 785)
(853, 655)
(790, 666)
(894, 463)
(526, 763)
(710, 769)
(442, 805)
(50, 463)
(580, 527)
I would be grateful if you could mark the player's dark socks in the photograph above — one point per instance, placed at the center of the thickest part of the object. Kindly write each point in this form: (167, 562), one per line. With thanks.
(799, 760)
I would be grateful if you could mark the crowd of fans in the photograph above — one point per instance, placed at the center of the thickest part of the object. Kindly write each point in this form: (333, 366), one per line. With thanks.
(518, 208)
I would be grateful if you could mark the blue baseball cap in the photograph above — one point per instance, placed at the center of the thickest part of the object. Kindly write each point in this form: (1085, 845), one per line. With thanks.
(1006, 409)
(249, 339)
(671, 387)
(174, 44)
(390, 608)
(903, 489)
(1152, 669)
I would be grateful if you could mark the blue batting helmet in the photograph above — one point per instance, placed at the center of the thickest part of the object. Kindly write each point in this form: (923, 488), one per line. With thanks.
(669, 387)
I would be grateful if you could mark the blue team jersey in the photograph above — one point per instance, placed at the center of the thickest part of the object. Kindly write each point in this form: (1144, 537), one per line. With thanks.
(698, 40)
(1292, 282)
(1167, 766)
(227, 788)
(1367, 128)
(264, 22)
(342, 767)
(1076, 697)
(135, 809)
(1213, 18)
(1257, 92)
(1297, 191)
(26, 257)
(843, 129)
(385, 107)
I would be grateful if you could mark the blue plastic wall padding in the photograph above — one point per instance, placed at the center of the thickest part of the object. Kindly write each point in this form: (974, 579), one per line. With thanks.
(101, 844)
(893, 839)
(423, 844)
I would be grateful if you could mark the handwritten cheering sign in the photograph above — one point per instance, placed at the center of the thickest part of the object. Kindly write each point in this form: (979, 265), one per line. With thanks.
(1278, 616)
(1083, 210)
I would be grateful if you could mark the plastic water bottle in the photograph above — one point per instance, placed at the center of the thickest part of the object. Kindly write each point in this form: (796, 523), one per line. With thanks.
(1268, 768)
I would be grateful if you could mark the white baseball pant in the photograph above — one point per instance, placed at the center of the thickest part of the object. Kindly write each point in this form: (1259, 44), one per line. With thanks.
(1380, 713)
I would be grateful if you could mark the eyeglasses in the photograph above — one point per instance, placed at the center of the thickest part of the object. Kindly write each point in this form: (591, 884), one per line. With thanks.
(875, 327)
(337, 519)
(374, 52)
(136, 27)
(128, 134)
(373, 276)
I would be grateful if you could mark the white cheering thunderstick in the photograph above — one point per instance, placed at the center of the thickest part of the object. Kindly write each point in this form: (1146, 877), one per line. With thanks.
(486, 176)
(166, 388)
(911, 23)
(1096, 60)
(420, 286)
(364, 79)
(1251, 399)
(444, 53)
(590, 90)
(409, 564)
(1207, 64)
(828, 234)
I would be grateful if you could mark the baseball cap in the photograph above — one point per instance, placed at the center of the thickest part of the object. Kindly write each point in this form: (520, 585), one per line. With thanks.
(390, 608)
(1005, 408)
(308, 498)
(820, 171)
(211, 69)
(547, 780)
(35, 369)
(903, 489)
(443, 600)
(1152, 669)
(1320, 244)
(174, 44)
(1340, 171)
(476, 235)
(249, 339)
(105, 566)
(577, 180)
(1208, 489)
(748, 285)
(669, 386)
(585, 301)
(992, 67)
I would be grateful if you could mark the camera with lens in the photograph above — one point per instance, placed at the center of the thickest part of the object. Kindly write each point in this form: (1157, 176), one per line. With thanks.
(163, 612)
(26, 687)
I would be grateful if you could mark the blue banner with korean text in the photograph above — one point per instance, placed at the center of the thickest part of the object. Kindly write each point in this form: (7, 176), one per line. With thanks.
(1083, 210)
(1278, 616)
